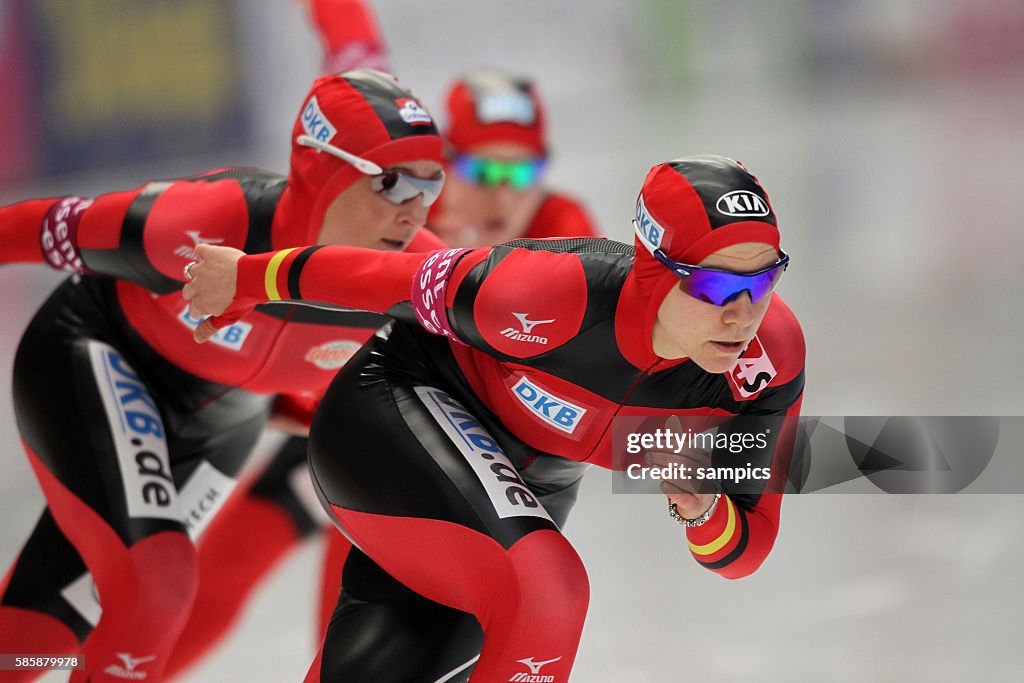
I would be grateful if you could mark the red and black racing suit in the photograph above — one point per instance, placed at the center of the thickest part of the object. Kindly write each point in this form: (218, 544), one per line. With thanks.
(282, 484)
(262, 524)
(136, 434)
(452, 446)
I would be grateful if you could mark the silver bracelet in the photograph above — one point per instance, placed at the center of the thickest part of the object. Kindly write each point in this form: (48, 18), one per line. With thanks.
(673, 512)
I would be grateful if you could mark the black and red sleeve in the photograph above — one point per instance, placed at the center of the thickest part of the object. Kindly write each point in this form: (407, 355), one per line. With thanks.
(524, 298)
(351, 277)
(43, 231)
(742, 532)
(146, 235)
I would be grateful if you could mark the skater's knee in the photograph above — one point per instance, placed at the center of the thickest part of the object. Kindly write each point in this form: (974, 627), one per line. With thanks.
(158, 575)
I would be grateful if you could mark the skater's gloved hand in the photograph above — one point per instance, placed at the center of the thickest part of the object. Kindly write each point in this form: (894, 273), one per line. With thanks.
(693, 496)
(211, 282)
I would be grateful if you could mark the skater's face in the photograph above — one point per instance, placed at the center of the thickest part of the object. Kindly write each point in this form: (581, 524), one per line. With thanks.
(491, 195)
(360, 217)
(713, 336)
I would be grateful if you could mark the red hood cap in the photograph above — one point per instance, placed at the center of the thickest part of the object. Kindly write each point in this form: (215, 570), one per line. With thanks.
(692, 207)
(365, 112)
(495, 106)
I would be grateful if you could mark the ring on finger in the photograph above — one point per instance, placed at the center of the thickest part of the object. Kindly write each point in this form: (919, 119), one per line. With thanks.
(188, 270)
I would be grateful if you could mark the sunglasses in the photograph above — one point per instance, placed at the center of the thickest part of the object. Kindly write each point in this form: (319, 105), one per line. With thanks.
(399, 187)
(520, 175)
(719, 287)
(394, 185)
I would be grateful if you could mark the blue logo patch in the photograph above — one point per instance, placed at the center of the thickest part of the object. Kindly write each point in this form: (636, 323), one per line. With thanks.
(553, 410)
(315, 123)
(230, 337)
(647, 229)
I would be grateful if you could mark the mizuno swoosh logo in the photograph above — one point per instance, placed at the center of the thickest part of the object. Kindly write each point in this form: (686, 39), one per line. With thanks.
(131, 662)
(528, 324)
(535, 666)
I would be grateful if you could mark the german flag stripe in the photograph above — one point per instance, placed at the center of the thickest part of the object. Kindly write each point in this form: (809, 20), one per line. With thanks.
(723, 538)
(270, 277)
(295, 271)
(736, 552)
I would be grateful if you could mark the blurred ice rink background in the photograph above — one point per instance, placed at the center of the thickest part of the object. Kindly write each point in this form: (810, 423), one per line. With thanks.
(889, 134)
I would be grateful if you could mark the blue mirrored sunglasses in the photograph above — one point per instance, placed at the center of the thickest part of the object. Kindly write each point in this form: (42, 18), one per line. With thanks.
(719, 287)
(520, 174)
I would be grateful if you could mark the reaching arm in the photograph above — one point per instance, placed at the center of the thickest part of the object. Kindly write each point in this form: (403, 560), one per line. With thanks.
(351, 37)
(44, 231)
(227, 284)
(742, 531)
(146, 235)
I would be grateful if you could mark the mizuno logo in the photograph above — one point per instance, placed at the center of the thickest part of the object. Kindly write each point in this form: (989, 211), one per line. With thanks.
(535, 666)
(128, 670)
(535, 675)
(527, 326)
(131, 662)
(189, 252)
(197, 238)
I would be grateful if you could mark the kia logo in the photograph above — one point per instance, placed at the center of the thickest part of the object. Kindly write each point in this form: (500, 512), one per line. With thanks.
(742, 203)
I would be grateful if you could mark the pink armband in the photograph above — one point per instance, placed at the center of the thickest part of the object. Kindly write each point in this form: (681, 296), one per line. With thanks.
(429, 289)
(59, 236)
